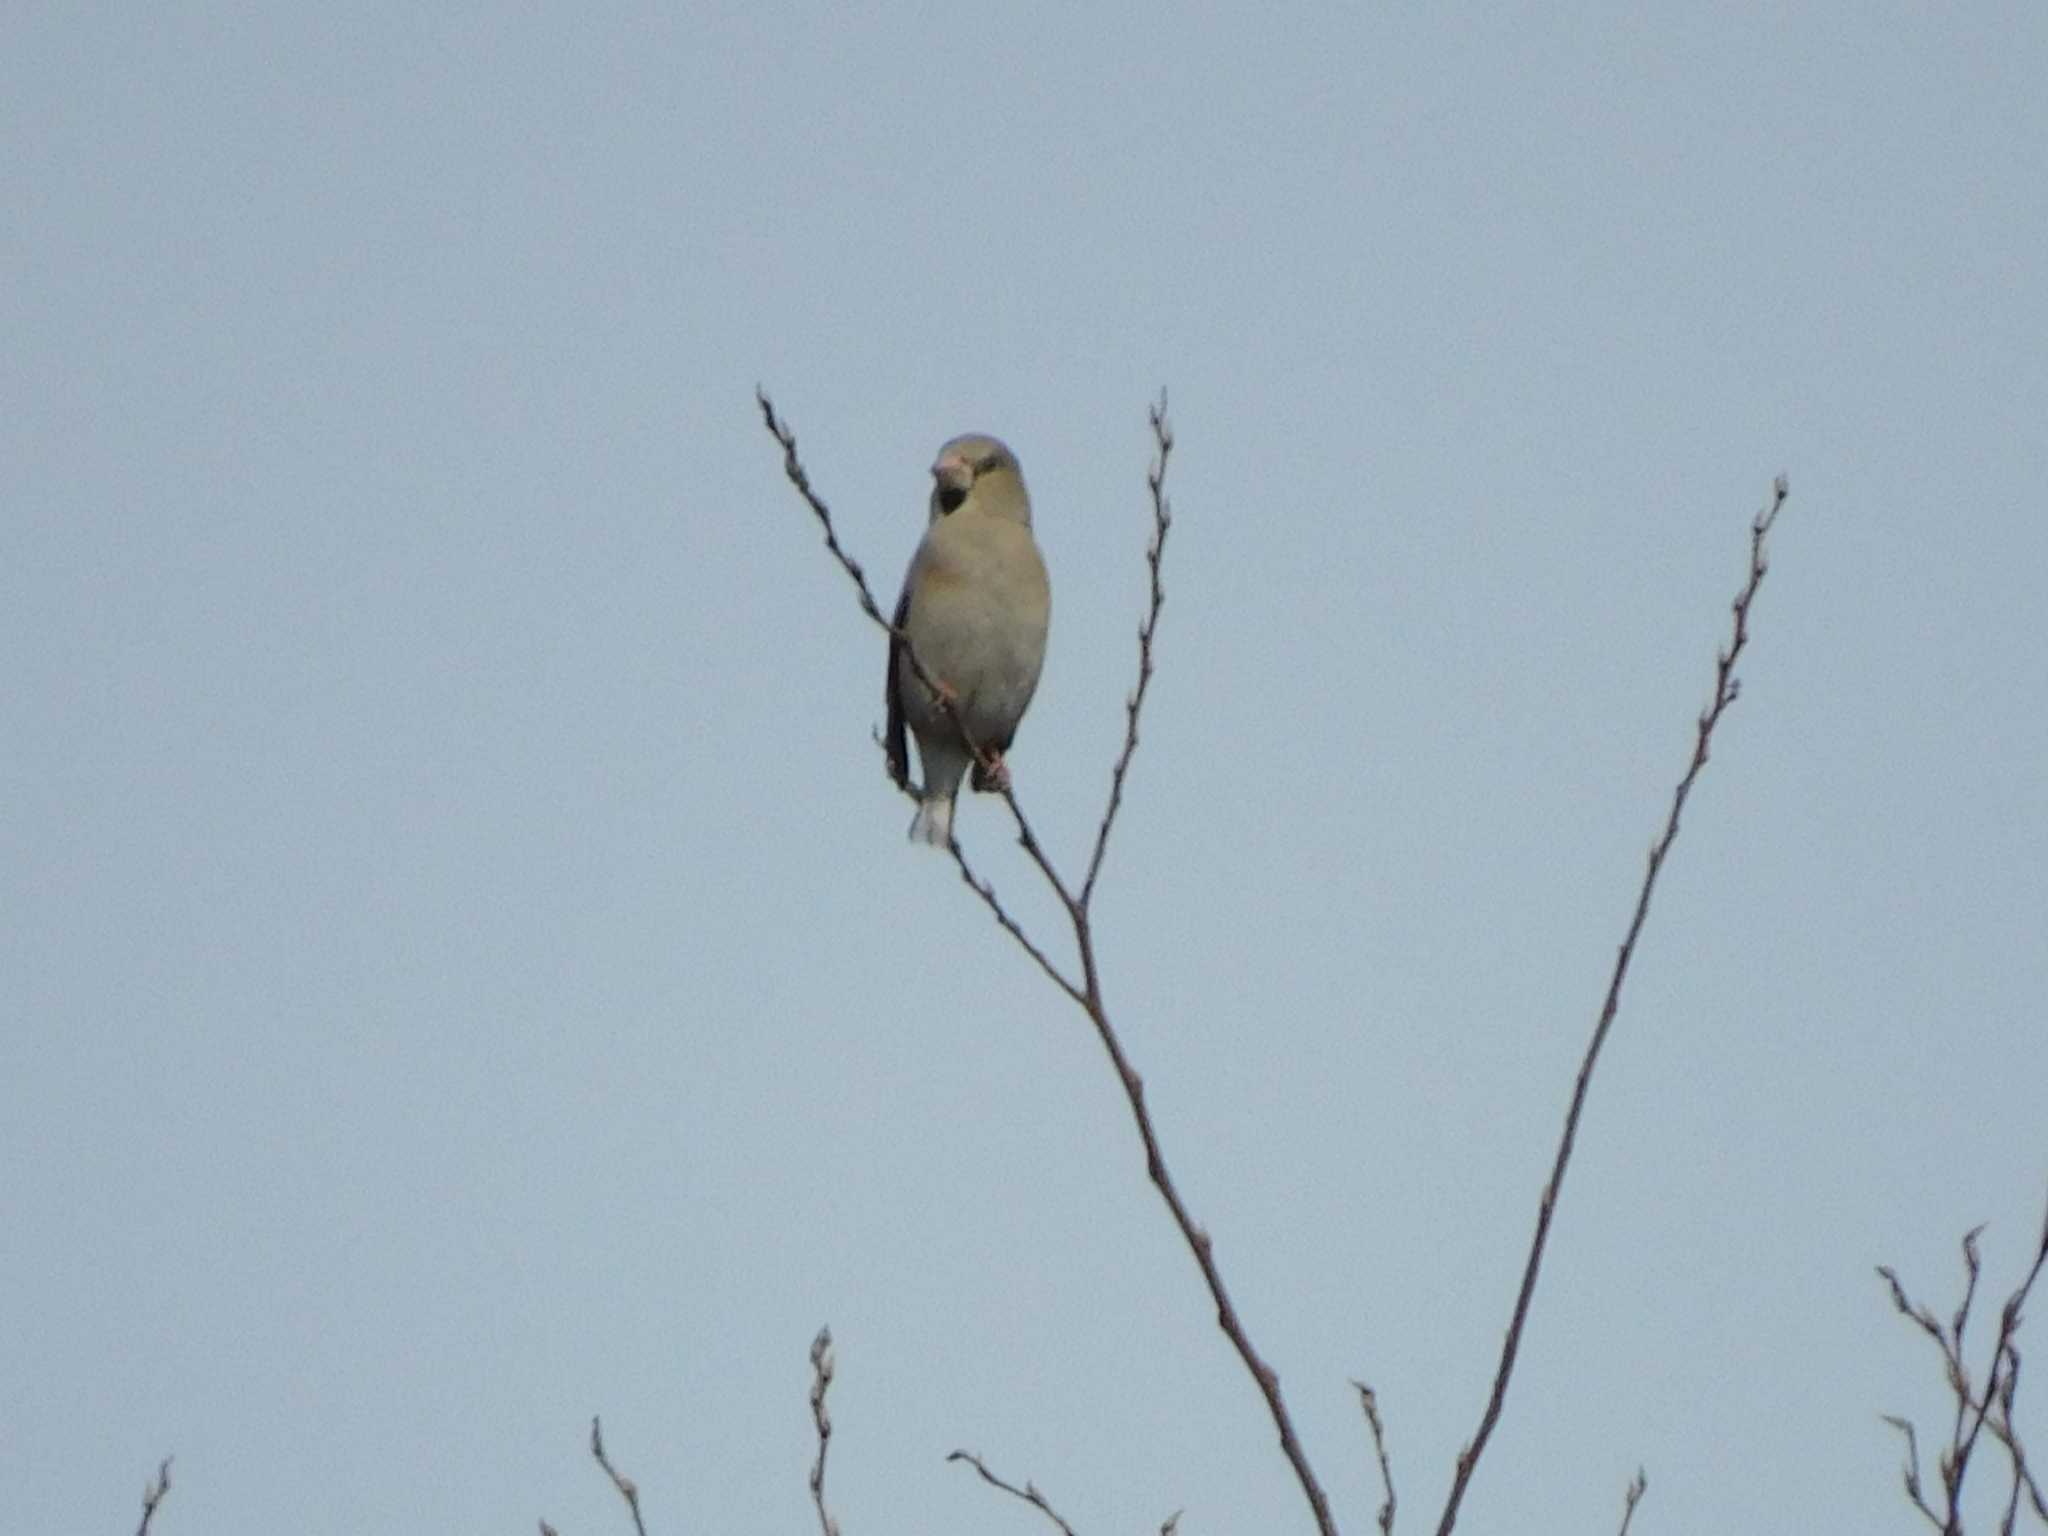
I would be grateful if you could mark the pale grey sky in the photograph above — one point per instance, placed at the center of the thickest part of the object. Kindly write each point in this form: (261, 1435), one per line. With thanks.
(460, 965)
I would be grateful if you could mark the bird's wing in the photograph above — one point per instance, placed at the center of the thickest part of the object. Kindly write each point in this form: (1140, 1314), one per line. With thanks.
(892, 689)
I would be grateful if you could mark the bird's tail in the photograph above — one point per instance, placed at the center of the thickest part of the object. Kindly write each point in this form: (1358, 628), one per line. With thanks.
(934, 821)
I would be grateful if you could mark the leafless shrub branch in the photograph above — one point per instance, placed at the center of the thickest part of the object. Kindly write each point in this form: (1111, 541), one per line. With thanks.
(153, 1494)
(1028, 1493)
(1087, 994)
(1370, 1403)
(821, 1380)
(1977, 1412)
(1726, 689)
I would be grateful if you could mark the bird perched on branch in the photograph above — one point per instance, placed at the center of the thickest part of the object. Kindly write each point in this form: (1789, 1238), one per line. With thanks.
(975, 607)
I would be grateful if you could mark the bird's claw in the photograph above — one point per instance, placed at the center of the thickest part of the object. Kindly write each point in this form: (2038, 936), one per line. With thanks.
(991, 773)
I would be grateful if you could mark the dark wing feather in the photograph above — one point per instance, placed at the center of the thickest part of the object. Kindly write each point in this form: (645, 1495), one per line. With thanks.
(893, 742)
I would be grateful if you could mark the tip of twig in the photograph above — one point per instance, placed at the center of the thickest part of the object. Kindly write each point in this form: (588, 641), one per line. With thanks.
(1162, 430)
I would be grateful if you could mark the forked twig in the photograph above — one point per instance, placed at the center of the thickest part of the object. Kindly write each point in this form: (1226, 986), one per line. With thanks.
(1726, 690)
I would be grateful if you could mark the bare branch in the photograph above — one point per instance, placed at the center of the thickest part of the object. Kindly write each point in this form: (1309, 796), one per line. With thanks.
(153, 1495)
(1088, 993)
(821, 1380)
(1726, 689)
(628, 1490)
(1162, 520)
(1371, 1405)
(1028, 1493)
(1988, 1411)
(1631, 1497)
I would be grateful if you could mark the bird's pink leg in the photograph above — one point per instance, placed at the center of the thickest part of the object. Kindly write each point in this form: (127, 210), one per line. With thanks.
(991, 773)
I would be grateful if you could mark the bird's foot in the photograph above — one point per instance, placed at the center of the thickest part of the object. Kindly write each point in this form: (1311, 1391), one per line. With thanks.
(991, 773)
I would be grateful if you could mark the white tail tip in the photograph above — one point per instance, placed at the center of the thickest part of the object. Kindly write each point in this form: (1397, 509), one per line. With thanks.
(934, 822)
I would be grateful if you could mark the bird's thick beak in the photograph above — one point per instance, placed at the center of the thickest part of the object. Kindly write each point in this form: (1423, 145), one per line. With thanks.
(952, 475)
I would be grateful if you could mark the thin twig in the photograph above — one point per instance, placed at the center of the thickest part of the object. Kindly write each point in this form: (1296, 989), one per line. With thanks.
(1920, 1315)
(1162, 520)
(1088, 993)
(628, 1490)
(793, 468)
(1028, 1493)
(1913, 1490)
(1631, 1497)
(153, 1495)
(1726, 690)
(821, 1379)
(1371, 1405)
